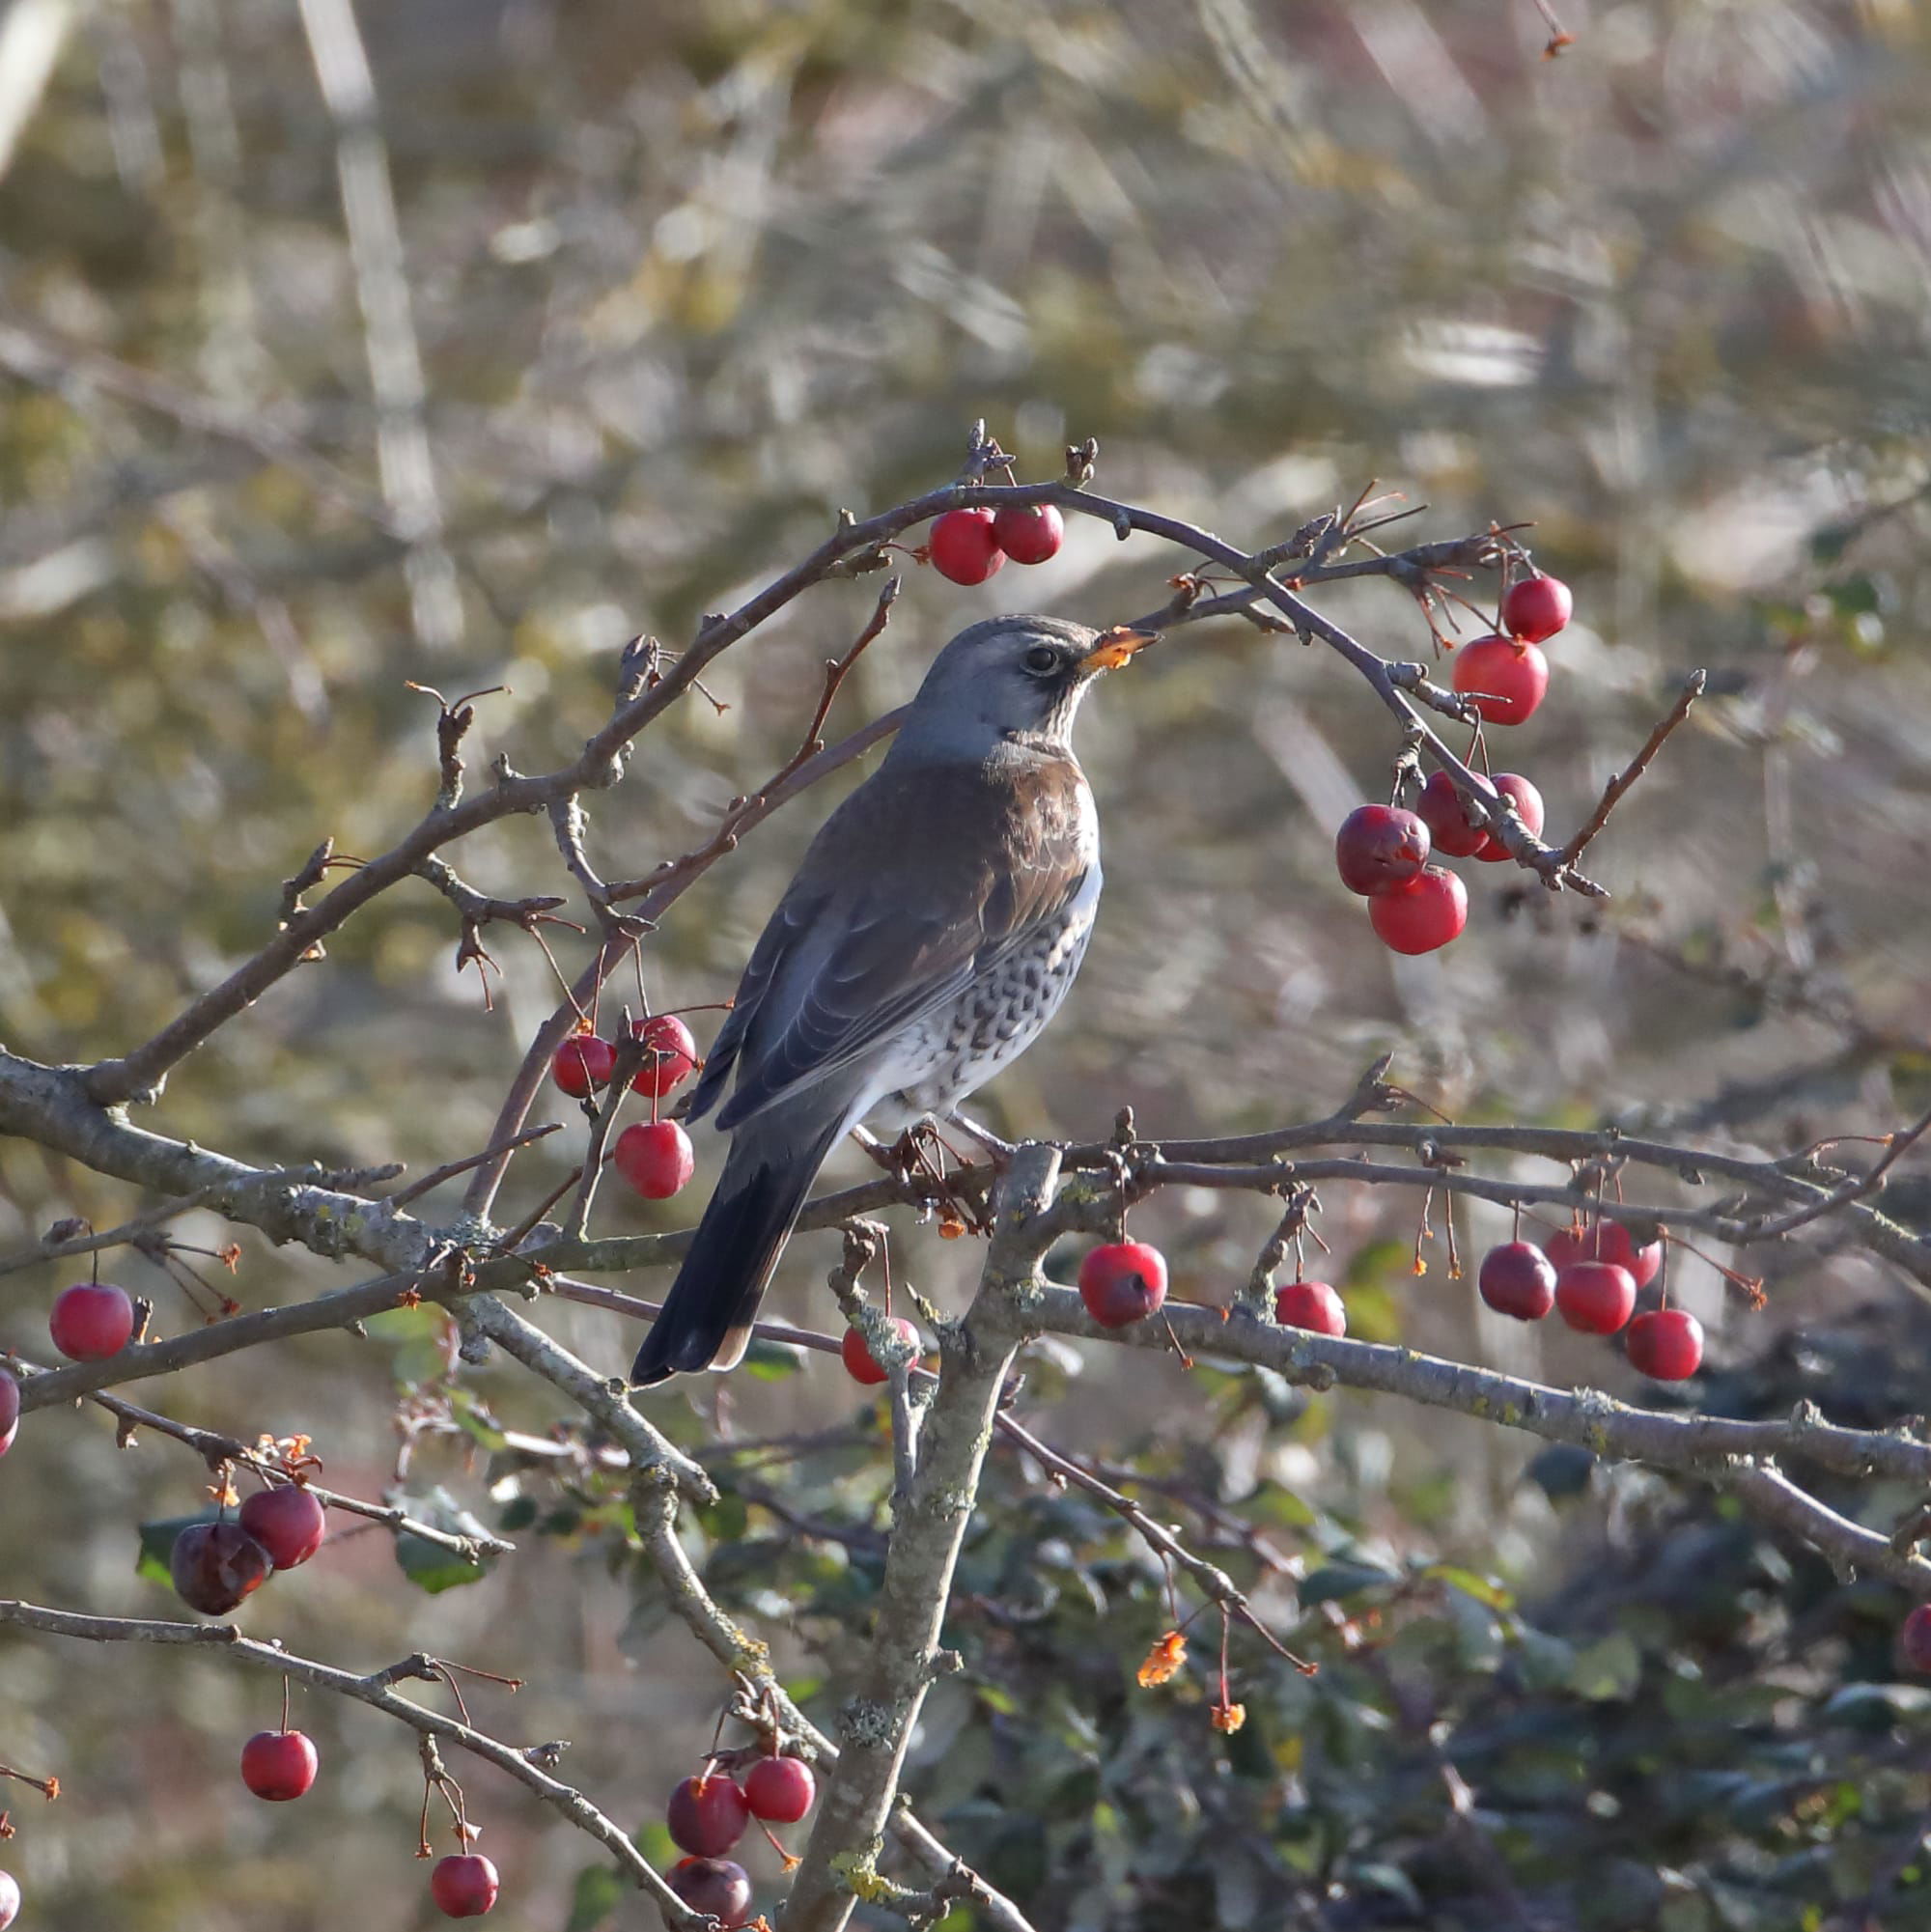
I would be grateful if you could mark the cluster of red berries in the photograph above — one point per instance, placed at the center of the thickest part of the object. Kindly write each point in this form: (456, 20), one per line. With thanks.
(214, 1565)
(280, 1766)
(709, 1813)
(969, 546)
(654, 1157)
(1383, 852)
(1591, 1277)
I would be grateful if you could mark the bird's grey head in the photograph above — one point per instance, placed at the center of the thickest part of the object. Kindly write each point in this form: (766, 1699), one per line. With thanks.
(1014, 678)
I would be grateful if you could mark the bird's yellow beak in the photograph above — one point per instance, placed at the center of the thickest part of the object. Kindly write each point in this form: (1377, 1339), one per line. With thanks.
(1114, 648)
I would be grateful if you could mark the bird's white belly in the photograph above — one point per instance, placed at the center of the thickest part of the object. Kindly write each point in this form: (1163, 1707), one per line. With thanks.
(944, 1056)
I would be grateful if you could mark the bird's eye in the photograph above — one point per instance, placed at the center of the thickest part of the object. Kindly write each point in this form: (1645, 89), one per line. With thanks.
(1042, 660)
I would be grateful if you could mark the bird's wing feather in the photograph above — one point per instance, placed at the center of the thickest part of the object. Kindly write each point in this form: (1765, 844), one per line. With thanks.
(920, 882)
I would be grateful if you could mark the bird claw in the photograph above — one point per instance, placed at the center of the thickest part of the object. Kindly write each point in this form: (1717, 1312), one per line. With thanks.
(999, 1152)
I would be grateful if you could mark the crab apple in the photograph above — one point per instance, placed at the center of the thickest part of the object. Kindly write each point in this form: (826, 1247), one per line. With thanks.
(707, 1816)
(1666, 1344)
(672, 1057)
(279, 1765)
(1606, 1240)
(214, 1565)
(1527, 804)
(9, 1410)
(780, 1789)
(1312, 1305)
(1122, 1282)
(1913, 1645)
(583, 1065)
(464, 1884)
(1379, 844)
(10, 1899)
(655, 1158)
(1596, 1296)
(714, 1886)
(288, 1522)
(1421, 914)
(1440, 809)
(1507, 680)
(1517, 1279)
(860, 1364)
(1030, 533)
(1536, 607)
(92, 1321)
(964, 545)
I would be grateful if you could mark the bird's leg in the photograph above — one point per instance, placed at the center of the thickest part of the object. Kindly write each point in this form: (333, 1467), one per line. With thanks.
(1000, 1152)
(888, 1154)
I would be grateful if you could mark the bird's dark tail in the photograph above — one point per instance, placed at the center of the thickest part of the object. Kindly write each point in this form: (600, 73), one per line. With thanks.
(708, 1315)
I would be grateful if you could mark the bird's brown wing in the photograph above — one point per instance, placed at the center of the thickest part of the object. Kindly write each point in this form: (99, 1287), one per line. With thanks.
(918, 882)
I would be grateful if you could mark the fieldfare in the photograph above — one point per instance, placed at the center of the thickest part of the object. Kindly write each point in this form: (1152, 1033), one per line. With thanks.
(934, 926)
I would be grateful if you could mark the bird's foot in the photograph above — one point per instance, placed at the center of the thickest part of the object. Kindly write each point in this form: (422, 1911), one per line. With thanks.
(999, 1152)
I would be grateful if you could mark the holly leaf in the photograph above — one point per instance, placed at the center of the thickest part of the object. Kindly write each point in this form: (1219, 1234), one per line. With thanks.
(596, 1896)
(157, 1545)
(431, 1566)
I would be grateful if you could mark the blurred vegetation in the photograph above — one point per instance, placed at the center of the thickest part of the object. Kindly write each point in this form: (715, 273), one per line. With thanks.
(684, 280)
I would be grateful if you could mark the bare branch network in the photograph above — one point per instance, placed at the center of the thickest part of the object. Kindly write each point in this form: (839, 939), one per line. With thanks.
(1030, 1201)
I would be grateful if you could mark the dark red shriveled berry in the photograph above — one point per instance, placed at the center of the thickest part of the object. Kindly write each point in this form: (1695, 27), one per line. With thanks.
(1380, 845)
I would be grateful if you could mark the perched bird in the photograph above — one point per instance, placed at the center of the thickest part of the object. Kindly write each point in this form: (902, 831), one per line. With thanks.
(931, 930)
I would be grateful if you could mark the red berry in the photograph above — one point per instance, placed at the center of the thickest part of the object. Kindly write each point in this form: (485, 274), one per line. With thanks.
(1311, 1305)
(1380, 845)
(288, 1522)
(1510, 678)
(1913, 1645)
(214, 1565)
(779, 1789)
(1536, 607)
(10, 1410)
(655, 1158)
(860, 1364)
(1608, 1241)
(1440, 809)
(582, 1064)
(707, 1816)
(714, 1886)
(1596, 1296)
(1424, 912)
(1517, 1279)
(1527, 803)
(92, 1321)
(1666, 1344)
(10, 1900)
(464, 1884)
(1028, 533)
(672, 1057)
(279, 1765)
(1122, 1282)
(964, 545)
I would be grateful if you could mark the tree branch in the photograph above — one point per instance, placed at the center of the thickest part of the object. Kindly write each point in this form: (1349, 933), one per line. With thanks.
(375, 1691)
